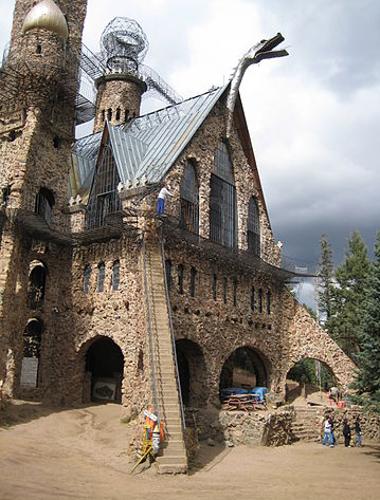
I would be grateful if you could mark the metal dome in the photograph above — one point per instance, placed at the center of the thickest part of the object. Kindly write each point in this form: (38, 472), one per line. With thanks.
(124, 45)
(46, 15)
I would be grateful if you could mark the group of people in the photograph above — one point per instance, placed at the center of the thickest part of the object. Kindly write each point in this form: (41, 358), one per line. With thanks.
(329, 436)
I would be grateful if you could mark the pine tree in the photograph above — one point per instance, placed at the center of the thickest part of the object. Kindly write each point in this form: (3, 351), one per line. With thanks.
(348, 296)
(326, 280)
(368, 381)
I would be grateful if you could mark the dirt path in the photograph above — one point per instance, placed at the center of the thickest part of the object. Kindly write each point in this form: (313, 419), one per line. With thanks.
(81, 454)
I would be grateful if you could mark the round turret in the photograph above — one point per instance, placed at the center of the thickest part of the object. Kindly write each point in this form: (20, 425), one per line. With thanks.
(48, 16)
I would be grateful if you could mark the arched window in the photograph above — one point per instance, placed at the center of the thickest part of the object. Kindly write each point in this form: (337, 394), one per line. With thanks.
(189, 216)
(37, 283)
(101, 277)
(104, 198)
(115, 279)
(223, 207)
(87, 278)
(44, 204)
(181, 272)
(254, 227)
(31, 353)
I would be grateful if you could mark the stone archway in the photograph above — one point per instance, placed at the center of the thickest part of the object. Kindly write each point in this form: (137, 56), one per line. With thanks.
(192, 373)
(309, 377)
(245, 367)
(104, 368)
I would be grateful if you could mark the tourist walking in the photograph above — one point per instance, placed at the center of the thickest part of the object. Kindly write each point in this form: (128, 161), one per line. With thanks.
(327, 433)
(358, 432)
(347, 433)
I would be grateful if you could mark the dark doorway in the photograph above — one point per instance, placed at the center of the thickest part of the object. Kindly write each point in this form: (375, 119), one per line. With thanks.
(105, 364)
(192, 373)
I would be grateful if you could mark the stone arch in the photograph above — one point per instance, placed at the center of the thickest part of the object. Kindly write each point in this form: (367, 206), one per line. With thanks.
(103, 364)
(307, 376)
(31, 352)
(193, 373)
(245, 366)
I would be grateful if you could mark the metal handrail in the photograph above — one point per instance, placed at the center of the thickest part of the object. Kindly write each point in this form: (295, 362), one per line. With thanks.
(172, 332)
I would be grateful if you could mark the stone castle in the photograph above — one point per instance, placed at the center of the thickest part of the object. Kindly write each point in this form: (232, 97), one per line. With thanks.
(100, 298)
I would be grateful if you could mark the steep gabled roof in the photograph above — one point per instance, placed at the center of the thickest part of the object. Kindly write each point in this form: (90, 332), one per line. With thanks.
(147, 146)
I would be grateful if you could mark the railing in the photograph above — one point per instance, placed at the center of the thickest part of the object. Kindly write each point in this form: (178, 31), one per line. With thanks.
(162, 251)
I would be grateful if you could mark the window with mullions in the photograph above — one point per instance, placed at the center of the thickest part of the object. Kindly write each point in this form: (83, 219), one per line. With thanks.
(253, 227)
(223, 206)
(189, 216)
(104, 198)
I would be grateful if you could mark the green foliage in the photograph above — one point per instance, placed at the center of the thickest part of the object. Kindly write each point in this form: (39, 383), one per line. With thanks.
(348, 296)
(368, 380)
(305, 372)
(326, 279)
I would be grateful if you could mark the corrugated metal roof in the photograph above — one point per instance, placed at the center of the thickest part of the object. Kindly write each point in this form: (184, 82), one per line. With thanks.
(148, 145)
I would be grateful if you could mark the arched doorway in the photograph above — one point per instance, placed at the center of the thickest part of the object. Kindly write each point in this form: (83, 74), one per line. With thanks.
(105, 367)
(245, 368)
(307, 379)
(192, 373)
(31, 353)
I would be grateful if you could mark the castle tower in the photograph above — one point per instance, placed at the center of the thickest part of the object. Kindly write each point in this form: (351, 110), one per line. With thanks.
(123, 47)
(37, 111)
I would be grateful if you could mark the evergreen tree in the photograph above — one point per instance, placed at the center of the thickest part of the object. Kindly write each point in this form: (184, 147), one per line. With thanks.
(368, 380)
(348, 296)
(326, 280)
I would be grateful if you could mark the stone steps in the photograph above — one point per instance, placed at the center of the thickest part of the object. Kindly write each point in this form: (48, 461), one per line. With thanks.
(173, 459)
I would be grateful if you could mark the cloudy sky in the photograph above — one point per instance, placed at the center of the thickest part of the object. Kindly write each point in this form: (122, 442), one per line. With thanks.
(314, 117)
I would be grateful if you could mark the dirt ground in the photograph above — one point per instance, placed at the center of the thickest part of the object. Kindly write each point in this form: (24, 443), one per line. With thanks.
(81, 454)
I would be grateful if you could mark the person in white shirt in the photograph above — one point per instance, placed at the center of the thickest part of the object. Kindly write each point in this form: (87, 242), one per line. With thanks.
(161, 200)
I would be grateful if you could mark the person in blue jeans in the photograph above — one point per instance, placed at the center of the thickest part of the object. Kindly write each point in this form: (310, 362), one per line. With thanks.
(328, 435)
(358, 432)
(161, 200)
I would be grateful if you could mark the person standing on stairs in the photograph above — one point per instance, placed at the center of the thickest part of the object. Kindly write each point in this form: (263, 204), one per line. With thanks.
(164, 192)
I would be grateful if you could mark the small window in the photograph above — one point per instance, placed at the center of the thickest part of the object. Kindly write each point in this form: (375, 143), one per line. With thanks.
(180, 278)
(109, 114)
(253, 299)
(118, 114)
(225, 289)
(168, 273)
(37, 283)
(260, 300)
(86, 278)
(115, 275)
(101, 277)
(214, 286)
(39, 49)
(269, 300)
(234, 292)
(193, 279)
(103, 115)
(126, 115)
(57, 141)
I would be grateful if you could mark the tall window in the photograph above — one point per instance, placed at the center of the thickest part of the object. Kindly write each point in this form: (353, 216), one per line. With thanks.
(115, 279)
(44, 204)
(181, 271)
(87, 278)
(193, 280)
(254, 227)
(104, 198)
(189, 216)
(37, 283)
(223, 207)
(234, 291)
(101, 277)
(214, 286)
(253, 299)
